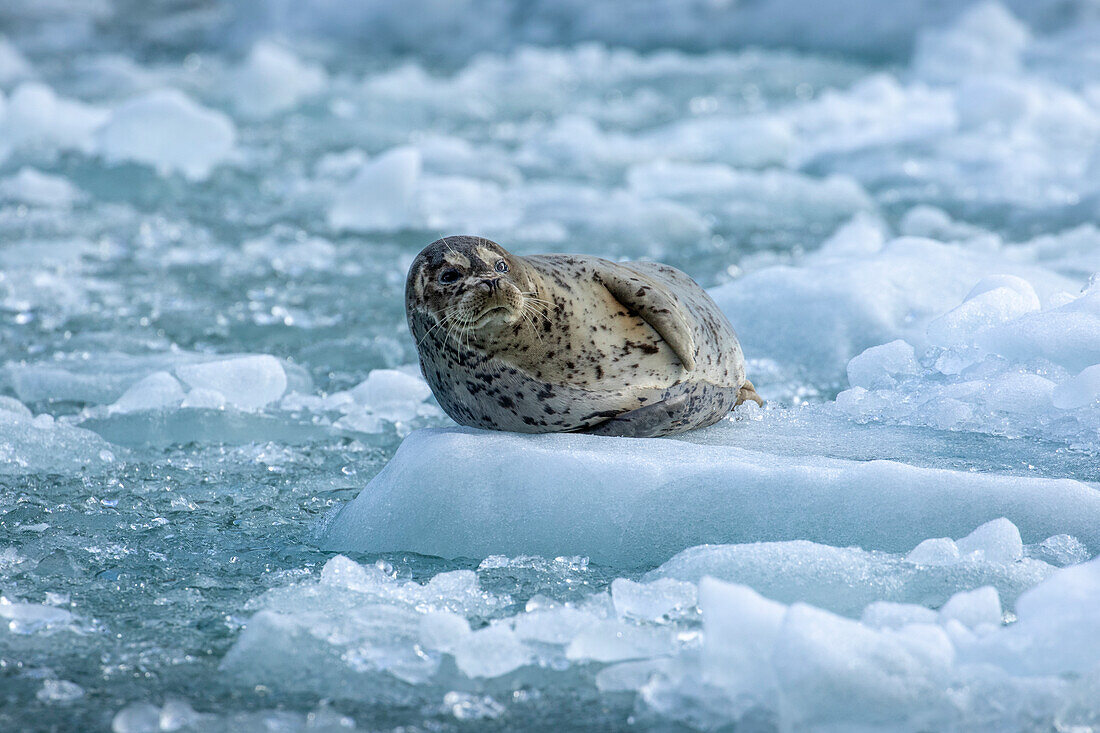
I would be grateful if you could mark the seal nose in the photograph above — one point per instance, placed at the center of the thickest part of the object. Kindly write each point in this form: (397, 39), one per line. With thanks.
(491, 284)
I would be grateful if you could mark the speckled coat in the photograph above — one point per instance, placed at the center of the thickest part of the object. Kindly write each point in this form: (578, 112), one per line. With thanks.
(607, 339)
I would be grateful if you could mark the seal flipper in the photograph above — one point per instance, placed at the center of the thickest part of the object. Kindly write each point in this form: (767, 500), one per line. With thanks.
(649, 301)
(747, 393)
(651, 421)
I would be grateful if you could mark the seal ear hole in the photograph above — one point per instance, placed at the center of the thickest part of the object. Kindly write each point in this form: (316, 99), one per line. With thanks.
(449, 276)
(501, 266)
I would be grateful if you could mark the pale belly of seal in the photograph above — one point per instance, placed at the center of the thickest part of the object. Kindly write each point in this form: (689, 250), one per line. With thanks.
(596, 364)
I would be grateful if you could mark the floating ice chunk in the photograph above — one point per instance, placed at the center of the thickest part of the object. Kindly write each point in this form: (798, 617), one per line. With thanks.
(382, 196)
(385, 397)
(558, 207)
(987, 39)
(443, 630)
(32, 618)
(30, 186)
(750, 196)
(464, 706)
(890, 615)
(59, 691)
(836, 671)
(341, 165)
(751, 142)
(997, 541)
(813, 319)
(641, 501)
(158, 390)
(1060, 550)
(1028, 394)
(137, 717)
(294, 258)
(1068, 335)
(36, 445)
(993, 301)
(1072, 252)
(272, 80)
(37, 119)
(1006, 367)
(928, 221)
(937, 551)
(845, 579)
(89, 378)
(863, 234)
(973, 608)
(12, 405)
(247, 382)
(464, 203)
(879, 366)
(1078, 391)
(204, 398)
(169, 131)
(655, 601)
(741, 629)
(13, 66)
(553, 625)
(385, 387)
(611, 640)
(491, 652)
(1057, 629)
(875, 112)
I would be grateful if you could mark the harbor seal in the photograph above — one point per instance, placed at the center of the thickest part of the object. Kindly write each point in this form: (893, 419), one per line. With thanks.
(570, 343)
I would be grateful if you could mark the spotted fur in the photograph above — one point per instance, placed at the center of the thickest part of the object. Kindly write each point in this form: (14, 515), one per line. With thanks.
(556, 343)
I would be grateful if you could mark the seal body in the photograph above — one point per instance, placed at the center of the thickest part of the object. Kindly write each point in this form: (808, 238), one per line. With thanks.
(556, 343)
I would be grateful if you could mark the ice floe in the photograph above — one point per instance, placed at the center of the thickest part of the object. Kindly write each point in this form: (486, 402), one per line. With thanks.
(467, 493)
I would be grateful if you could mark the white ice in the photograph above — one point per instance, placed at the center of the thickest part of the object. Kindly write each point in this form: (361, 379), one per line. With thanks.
(168, 130)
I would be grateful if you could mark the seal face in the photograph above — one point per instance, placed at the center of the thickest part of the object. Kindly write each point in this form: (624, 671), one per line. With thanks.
(555, 343)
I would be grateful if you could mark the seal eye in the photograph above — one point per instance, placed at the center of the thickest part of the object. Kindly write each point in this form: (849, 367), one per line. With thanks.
(449, 276)
(502, 266)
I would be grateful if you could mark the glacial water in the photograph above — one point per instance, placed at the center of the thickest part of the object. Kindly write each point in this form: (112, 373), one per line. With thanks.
(207, 211)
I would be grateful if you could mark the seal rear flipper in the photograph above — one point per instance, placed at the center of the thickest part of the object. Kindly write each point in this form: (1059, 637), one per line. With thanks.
(650, 302)
(660, 418)
(747, 393)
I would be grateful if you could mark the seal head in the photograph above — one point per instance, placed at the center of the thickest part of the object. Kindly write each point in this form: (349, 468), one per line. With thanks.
(468, 284)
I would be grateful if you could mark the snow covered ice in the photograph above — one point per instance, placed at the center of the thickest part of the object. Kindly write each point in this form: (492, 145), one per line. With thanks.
(228, 500)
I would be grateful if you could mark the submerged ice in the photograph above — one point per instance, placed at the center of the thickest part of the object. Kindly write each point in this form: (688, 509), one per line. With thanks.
(229, 501)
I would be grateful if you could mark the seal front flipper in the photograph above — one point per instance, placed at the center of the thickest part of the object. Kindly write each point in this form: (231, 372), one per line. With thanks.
(651, 421)
(653, 305)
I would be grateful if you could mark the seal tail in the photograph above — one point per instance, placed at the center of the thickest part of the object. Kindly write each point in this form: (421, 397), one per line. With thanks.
(748, 392)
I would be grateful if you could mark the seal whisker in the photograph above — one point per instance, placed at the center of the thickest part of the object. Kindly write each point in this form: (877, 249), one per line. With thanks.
(442, 321)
